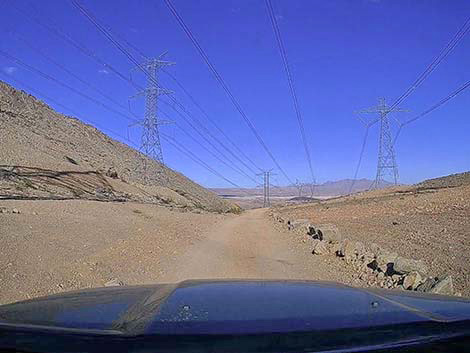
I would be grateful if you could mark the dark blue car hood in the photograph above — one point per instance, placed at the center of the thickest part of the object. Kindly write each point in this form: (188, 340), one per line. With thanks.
(230, 307)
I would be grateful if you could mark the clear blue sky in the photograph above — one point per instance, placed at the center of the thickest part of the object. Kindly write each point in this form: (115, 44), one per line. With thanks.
(343, 55)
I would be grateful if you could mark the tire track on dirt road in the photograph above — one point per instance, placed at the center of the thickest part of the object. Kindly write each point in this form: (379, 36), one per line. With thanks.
(249, 246)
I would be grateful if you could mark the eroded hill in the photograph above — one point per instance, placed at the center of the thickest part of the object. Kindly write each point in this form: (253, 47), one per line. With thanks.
(46, 155)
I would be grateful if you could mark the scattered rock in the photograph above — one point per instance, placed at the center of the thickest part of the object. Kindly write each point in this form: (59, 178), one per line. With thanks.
(412, 280)
(298, 224)
(444, 286)
(71, 160)
(334, 247)
(352, 250)
(312, 231)
(329, 233)
(3, 210)
(427, 285)
(396, 278)
(367, 258)
(385, 261)
(15, 210)
(111, 172)
(113, 283)
(404, 266)
(320, 248)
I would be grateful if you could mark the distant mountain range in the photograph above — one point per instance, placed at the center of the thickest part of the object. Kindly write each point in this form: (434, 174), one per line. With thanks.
(327, 189)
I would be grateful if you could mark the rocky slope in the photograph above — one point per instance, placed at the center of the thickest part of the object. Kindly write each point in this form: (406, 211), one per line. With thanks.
(427, 222)
(46, 155)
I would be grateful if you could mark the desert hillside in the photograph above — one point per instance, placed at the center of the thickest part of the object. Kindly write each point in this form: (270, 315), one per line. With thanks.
(427, 222)
(46, 155)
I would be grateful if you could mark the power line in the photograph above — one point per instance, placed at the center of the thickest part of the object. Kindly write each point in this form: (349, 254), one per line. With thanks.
(57, 103)
(224, 85)
(455, 40)
(167, 138)
(151, 122)
(82, 81)
(207, 131)
(202, 110)
(50, 78)
(109, 36)
(196, 159)
(266, 187)
(434, 107)
(71, 73)
(386, 162)
(463, 30)
(195, 128)
(363, 146)
(63, 36)
(215, 155)
(231, 166)
(290, 80)
(144, 56)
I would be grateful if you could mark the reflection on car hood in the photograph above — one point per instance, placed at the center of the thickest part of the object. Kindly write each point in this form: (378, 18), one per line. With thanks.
(230, 307)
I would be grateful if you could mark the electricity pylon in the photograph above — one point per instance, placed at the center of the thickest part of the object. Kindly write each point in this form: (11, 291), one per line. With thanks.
(386, 163)
(299, 186)
(150, 140)
(266, 187)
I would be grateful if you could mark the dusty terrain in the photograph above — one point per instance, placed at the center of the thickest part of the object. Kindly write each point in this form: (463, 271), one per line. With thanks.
(46, 155)
(56, 246)
(429, 221)
(53, 246)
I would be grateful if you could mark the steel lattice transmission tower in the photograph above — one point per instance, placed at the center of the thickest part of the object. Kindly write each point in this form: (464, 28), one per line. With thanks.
(150, 141)
(266, 187)
(386, 163)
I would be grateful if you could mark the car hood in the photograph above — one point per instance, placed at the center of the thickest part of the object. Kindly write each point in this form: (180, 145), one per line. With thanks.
(230, 307)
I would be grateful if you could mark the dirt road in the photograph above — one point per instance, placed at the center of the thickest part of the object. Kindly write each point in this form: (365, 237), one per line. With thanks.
(249, 246)
(56, 246)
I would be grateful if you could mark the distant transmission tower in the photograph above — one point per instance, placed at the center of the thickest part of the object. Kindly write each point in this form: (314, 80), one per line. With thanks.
(150, 141)
(266, 187)
(299, 186)
(386, 164)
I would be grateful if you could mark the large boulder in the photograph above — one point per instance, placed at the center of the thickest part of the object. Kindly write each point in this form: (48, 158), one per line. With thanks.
(385, 261)
(412, 280)
(427, 285)
(444, 286)
(351, 250)
(329, 233)
(303, 224)
(404, 266)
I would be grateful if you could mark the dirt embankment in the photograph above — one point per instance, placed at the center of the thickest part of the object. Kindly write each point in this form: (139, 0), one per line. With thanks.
(429, 222)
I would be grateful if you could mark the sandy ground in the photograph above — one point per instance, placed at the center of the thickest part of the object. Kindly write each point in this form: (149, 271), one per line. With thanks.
(55, 246)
